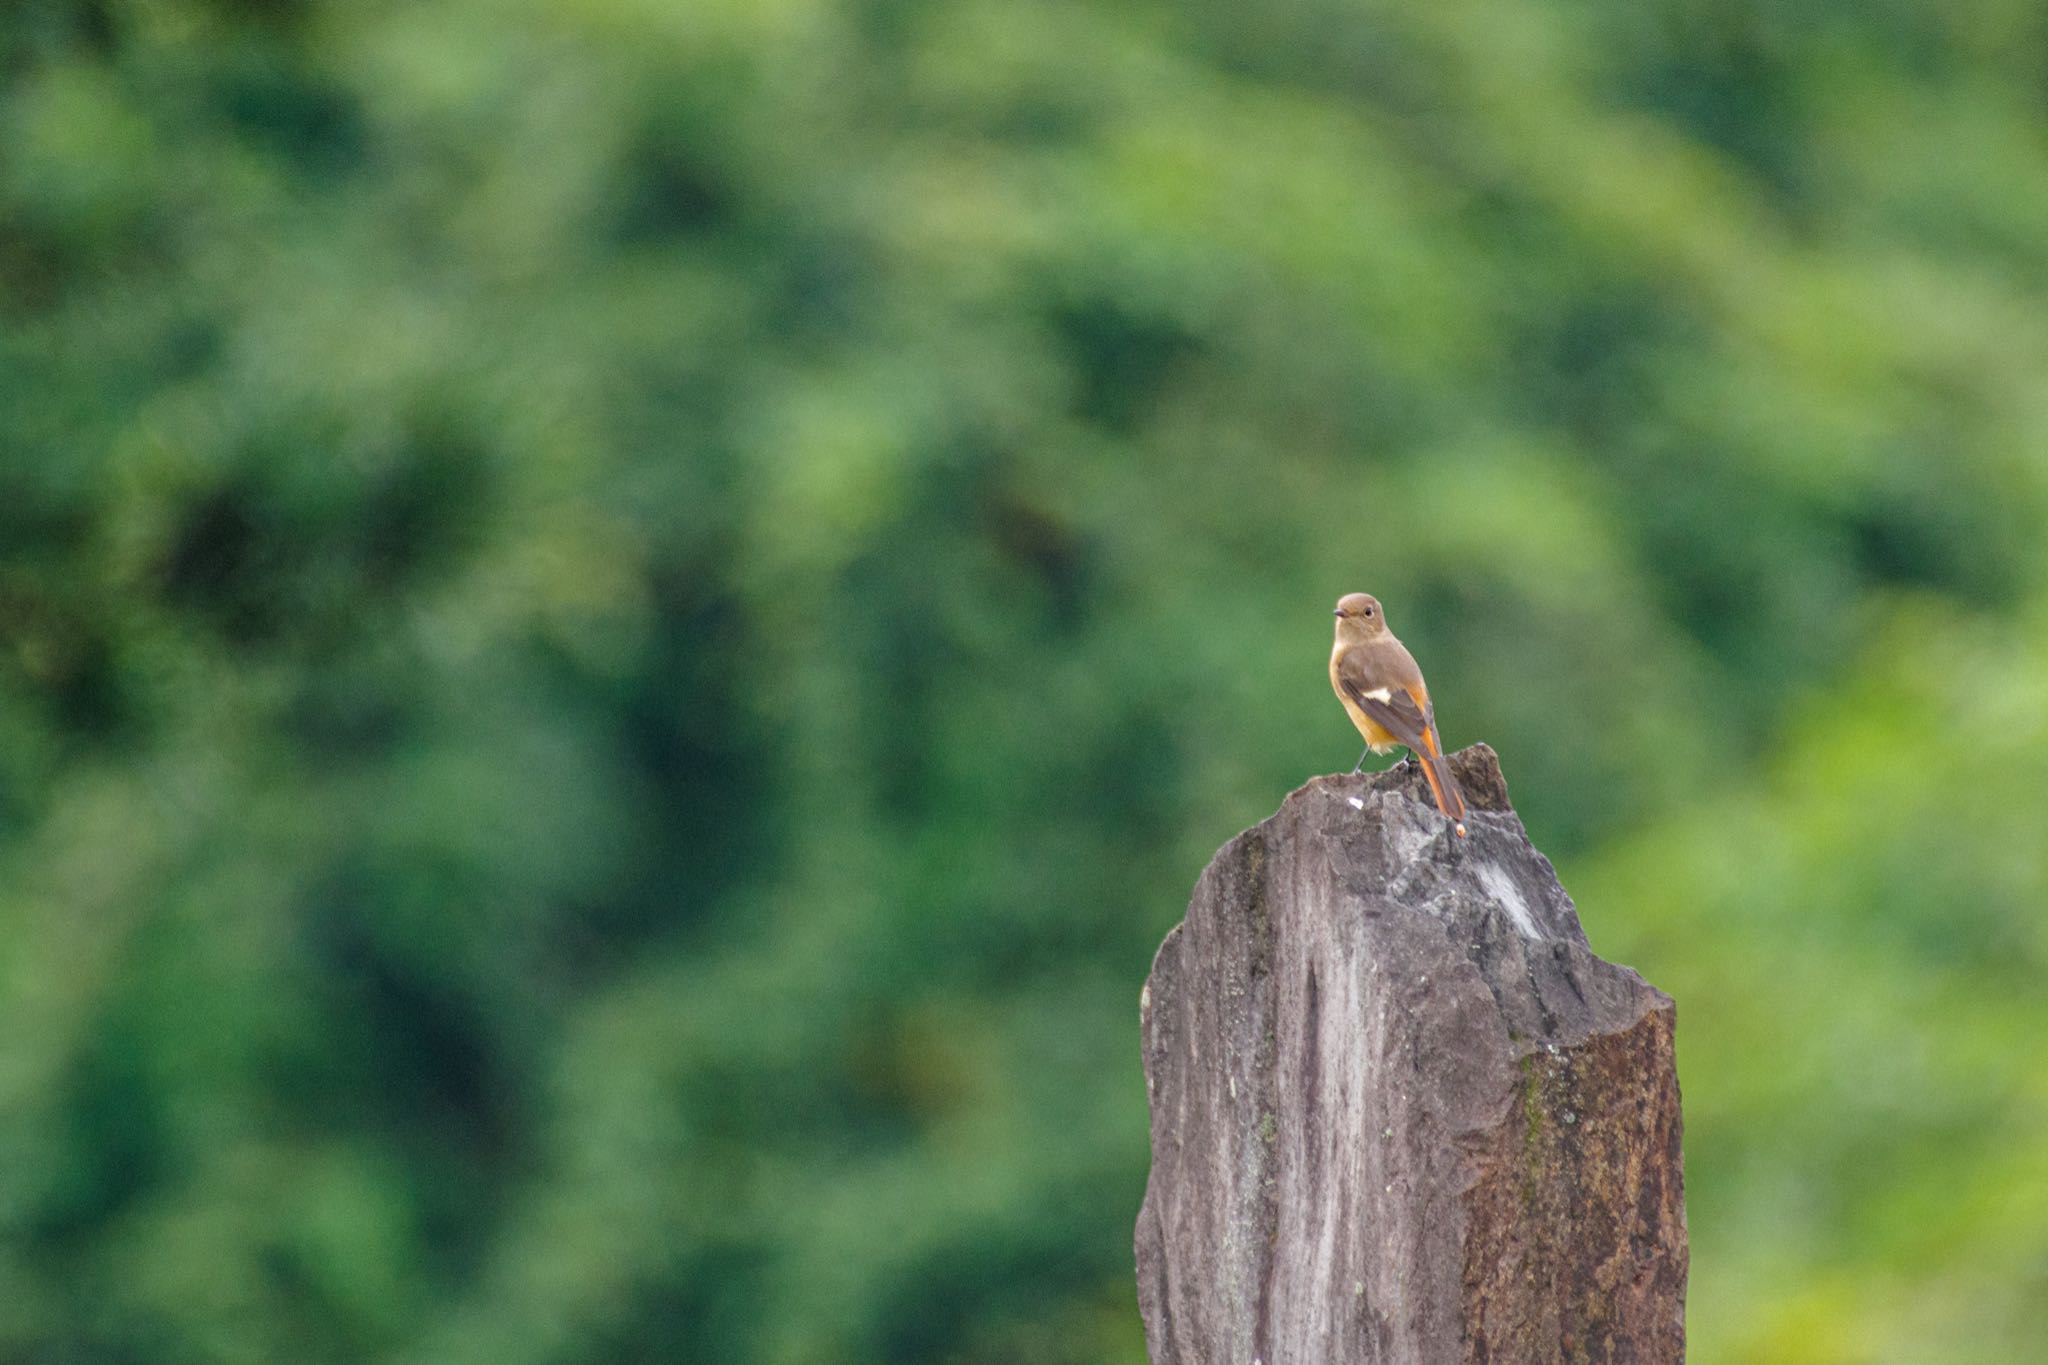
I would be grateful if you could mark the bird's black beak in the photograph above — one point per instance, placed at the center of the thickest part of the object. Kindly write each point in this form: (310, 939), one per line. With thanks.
(1338, 612)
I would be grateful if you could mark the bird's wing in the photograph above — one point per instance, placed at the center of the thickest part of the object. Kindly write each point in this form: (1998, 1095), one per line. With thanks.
(1403, 709)
(1397, 713)
(1375, 684)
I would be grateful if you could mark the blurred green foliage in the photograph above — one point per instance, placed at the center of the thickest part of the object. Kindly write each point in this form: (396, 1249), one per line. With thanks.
(622, 623)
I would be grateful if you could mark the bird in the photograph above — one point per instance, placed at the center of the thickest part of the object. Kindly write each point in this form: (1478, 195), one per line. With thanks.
(1381, 687)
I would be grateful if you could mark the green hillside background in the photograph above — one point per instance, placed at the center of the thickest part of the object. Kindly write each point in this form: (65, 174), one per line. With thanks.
(622, 623)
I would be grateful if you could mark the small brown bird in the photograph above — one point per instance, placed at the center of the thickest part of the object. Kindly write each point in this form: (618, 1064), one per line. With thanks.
(1377, 680)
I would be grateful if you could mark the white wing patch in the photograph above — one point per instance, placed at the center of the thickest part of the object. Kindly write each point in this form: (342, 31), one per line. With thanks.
(1379, 694)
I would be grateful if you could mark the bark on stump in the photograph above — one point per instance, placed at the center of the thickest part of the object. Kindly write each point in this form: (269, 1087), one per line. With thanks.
(1400, 1112)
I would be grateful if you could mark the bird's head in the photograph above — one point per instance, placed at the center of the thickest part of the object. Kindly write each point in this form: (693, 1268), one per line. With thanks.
(1359, 617)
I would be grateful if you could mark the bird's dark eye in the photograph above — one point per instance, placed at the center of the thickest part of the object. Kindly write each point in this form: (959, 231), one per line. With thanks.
(1368, 611)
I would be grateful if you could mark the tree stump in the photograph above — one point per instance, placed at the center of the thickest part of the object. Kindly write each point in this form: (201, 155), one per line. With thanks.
(1400, 1111)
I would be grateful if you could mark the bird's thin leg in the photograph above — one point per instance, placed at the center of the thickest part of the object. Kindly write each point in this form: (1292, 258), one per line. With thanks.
(1361, 761)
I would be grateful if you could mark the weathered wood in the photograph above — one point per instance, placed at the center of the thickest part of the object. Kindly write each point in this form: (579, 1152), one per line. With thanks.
(1400, 1112)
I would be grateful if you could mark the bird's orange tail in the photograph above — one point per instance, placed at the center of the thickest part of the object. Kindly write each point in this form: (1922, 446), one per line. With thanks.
(1442, 785)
